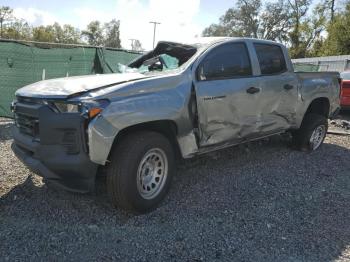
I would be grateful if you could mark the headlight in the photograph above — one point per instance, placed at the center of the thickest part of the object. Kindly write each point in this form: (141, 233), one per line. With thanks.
(67, 107)
(89, 108)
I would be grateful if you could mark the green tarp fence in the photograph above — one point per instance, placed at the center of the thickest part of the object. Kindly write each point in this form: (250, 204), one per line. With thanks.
(25, 63)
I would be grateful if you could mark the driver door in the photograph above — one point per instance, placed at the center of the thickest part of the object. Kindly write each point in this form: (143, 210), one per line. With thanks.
(228, 96)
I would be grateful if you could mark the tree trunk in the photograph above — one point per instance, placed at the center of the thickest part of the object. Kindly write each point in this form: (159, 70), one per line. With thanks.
(332, 10)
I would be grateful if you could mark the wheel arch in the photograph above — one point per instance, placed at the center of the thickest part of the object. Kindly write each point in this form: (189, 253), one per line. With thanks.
(320, 105)
(168, 128)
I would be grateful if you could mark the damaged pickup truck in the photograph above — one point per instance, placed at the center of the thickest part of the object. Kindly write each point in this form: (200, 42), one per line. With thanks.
(178, 100)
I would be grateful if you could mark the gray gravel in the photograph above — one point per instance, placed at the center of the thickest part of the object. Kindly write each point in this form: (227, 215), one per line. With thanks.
(257, 202)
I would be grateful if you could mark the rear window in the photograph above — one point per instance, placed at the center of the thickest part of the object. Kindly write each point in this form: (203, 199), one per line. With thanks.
(271, 59)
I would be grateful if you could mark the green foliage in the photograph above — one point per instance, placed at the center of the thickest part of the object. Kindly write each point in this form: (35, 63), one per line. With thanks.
(112, 32)
(107, 35)
(18, 29)
(56, 33)
(338, 40)
(306, 30)
(299, 24)
(43, 34)
(290, 22)
(250, 18)
(70, 35)
(274, 21)
(95, 34)
(5, 17)
(317, 32)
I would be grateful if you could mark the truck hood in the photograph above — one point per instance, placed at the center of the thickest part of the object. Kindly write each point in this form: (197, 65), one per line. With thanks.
(61, 88)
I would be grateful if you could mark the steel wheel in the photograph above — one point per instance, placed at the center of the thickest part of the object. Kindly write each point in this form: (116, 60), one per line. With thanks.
(317, 137)
(152, 173)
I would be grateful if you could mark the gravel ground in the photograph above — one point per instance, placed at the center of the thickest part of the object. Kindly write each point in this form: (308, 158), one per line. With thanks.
(257, 202)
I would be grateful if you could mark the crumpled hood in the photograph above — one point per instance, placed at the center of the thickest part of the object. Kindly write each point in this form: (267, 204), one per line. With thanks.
(64, 87)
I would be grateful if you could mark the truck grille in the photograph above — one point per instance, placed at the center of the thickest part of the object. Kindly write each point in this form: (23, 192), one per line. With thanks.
(27, 125)
(26, 111)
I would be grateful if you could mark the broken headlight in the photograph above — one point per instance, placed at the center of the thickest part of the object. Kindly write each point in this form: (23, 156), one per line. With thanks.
(67, 107)
(90, 108)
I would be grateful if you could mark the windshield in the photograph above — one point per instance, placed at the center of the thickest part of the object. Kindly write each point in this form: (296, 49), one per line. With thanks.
(166, 56)
(345, 75)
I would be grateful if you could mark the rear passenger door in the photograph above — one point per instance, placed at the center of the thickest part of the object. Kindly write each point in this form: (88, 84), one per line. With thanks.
(279, 88)
(227, 95)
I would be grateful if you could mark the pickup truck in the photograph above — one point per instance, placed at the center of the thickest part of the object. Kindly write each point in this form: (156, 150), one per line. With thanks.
(176, 101)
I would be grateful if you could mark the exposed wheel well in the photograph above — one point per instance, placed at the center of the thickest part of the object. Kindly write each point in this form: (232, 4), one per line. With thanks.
(167, 128)
(319, 106)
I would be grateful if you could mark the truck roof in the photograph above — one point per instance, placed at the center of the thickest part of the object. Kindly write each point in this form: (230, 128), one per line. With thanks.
(207, 41)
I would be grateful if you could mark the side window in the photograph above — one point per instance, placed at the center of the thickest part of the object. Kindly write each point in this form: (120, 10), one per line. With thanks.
(271, 59)
(226, 61)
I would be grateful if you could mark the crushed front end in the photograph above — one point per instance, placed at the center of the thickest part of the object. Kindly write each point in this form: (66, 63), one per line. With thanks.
(53, 144)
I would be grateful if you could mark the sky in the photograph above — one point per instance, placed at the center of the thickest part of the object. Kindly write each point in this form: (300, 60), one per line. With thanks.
(181, 20)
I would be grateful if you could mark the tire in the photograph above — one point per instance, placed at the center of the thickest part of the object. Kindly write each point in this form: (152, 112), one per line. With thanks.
(141, 169)
(312, 124)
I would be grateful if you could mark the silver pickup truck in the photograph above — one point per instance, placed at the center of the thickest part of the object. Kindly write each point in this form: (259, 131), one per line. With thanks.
(178, 100)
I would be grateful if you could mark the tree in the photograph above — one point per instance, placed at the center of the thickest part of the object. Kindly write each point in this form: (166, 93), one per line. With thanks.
(66, 34)
(249, 18)
(275, 21)
(5, 17)
(94, 33)
(216, 30)
(112, 34)
(286, 21)
(329, 5)
(241, 20)
(338, 40)
(332, 9)
(298, 11)
(70, 34)
(44, 34)
(306, 33)
(18, 29)
(136, 45)
(108, 35)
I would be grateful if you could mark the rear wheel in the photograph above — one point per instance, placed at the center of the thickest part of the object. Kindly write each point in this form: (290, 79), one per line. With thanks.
(141, 169)
(312, 132)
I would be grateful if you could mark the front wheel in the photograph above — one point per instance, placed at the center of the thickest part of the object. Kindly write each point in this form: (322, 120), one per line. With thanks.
(140, 172)
(311, 134)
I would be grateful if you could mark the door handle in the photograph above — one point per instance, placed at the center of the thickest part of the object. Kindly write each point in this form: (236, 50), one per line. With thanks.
(253, 90)
(288, 87)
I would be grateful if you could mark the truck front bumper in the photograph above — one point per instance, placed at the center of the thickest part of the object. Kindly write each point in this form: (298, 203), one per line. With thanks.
(57, 149)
